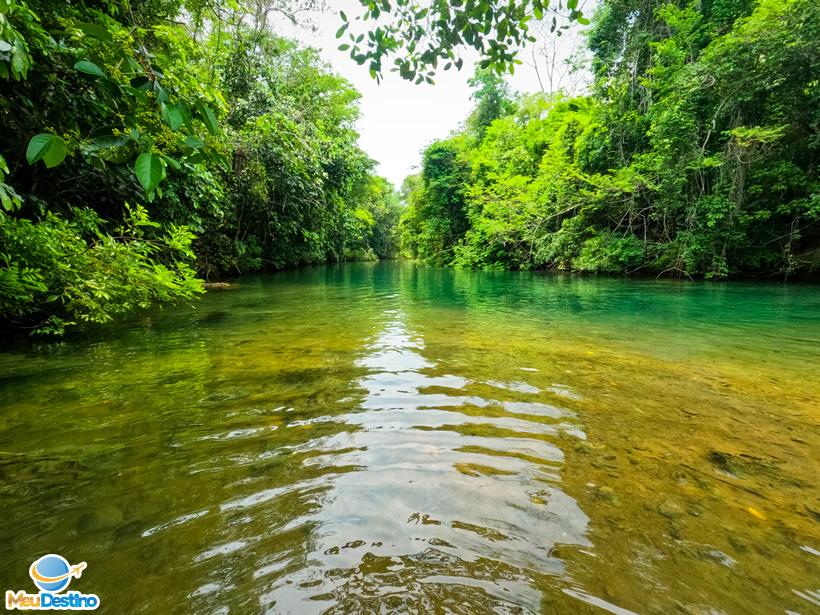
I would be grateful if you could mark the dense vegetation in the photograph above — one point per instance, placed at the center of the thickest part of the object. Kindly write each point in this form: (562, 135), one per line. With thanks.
(694, 154)
(143, 142)
(146, 145)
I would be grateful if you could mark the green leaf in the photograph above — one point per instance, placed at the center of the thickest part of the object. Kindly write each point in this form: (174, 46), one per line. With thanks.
(160, 93)
(196, 158)
(185, 112)
(37, 147)
(55, 154)
(572, 4)
(46, 147)
(171, 162)
(584, 21)
(344, 47)
(109, 141)
(172, 116)
(148, 169)
(5, 46)
(18, 63)
(341, 31)
(141, 82)
(89, 68)
(208, 118)
(96, 31)
(194, 142)
(223, 161)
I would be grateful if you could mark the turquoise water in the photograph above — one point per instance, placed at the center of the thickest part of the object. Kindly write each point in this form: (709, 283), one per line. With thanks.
(385, 437)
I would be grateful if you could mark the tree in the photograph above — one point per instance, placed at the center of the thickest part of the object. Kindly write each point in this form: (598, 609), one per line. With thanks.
(694, 155)
(492, 96)
(417, 37)
(436, 215)
(150, 145)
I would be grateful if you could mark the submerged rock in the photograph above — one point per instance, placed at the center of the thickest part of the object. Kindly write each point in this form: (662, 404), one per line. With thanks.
(742, 465)
(670, 509)
(102, 517)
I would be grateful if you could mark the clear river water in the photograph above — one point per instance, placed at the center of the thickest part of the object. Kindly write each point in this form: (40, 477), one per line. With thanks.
(390, 438)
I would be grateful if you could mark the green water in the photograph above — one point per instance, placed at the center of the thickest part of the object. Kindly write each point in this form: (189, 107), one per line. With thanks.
(386, 438)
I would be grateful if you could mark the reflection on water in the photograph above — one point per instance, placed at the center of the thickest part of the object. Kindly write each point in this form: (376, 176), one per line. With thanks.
(388, 438)
(449, 507)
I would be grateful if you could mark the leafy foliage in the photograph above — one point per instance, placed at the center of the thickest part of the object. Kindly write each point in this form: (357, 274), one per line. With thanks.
(52, 275)
(696, 154)
(208, 126)
(420, 36)
(436, 218)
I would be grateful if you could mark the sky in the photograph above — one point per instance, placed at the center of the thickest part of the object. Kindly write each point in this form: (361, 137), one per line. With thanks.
(398, 118)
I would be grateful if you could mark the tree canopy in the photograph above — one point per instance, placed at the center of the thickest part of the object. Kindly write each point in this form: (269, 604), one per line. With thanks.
(145, 142)
(695, 154)
(421, 37)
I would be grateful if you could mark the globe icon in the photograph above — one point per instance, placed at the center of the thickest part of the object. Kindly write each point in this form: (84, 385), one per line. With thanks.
(51, 567)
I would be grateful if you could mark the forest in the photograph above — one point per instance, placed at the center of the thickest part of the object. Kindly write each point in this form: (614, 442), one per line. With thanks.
(148, 146)
(694, 154)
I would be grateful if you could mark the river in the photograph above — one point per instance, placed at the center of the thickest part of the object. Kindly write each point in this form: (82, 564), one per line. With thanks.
(392, 438)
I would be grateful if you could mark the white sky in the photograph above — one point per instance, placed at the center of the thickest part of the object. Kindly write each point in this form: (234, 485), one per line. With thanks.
(399, 118)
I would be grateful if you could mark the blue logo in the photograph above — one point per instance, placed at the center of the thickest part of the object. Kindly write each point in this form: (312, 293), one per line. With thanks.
(52, 573)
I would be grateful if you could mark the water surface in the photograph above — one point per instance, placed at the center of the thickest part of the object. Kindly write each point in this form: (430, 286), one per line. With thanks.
(387, 438)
